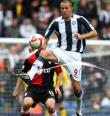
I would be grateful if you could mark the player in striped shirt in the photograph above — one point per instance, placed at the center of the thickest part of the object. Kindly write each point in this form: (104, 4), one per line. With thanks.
(72, 31)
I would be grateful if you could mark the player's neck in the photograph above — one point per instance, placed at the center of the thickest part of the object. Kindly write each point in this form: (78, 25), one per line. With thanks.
(68, 18)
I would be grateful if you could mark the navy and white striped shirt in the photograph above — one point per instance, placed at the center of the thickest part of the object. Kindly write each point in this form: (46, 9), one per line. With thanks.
(65, 31)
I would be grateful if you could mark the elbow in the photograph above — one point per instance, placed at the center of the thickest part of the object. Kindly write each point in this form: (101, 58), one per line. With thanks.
(95, 33)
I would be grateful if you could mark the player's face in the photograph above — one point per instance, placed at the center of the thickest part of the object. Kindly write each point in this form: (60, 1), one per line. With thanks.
(66, 10)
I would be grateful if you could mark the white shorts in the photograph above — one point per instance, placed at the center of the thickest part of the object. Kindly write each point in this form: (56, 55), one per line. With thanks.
(70, 60)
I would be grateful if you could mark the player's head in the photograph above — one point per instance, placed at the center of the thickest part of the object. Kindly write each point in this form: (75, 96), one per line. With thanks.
(66, 8)
(37, 41)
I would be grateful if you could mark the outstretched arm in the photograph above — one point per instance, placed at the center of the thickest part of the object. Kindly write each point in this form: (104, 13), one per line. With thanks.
(58, 71)
(17, 88)
(58, 82)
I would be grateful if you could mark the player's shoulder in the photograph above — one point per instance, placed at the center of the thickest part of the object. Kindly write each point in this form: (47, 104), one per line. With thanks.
(77, 16)
(58, 19)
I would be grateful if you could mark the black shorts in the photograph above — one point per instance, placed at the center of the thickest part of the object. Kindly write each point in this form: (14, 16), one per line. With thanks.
(40, 95)
(59, 100)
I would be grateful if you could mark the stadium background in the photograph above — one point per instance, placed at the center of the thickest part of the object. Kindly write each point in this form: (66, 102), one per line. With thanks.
(21, 18)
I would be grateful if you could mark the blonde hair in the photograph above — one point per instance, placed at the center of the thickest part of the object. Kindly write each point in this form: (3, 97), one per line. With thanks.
(67, 1)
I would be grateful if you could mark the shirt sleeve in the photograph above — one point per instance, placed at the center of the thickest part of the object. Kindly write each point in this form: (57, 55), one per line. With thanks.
(86, 24)
(58, 69)
(26, 66)
(52, 27)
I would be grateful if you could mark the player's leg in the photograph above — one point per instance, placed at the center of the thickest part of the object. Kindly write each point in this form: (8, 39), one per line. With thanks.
(74, 70)
(27, 103)
(30, 100)
(37, 65)
(50, 105)
(78, 96)
(60, 104)
(48, 98)
(62, 109)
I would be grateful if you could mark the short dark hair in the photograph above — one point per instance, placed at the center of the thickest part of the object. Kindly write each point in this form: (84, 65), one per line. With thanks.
(67, 1)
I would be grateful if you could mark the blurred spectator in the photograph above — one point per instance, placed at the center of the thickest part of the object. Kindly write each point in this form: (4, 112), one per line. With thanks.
(75, 4)
(34, 9)
(55, 14)
(41, 27)
(2, 29)
(13, 30)
(105, 34)
(95, 23)
(13, 57)
(1, 13)
(18, 8)
(109, 32)
(3, 50)
(106, 100)
(104, 15)
(94, 83)
(1, 20)
(82, 9)
(95, 101)
(91, 11)
(27, 28)
(8, 18)
(52, 4)
(2, 64)
(45, 12)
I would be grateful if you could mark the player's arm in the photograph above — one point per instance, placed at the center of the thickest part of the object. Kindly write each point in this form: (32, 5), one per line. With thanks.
(25, 68)
(90, 32)
(51, 29)
(58, 71)
(17, 88)
(23, 72)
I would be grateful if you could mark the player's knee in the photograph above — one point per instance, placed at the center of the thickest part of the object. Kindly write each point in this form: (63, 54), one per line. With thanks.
(51, 106)
(78, 94)
(51, 109)
(76, 86)
(26, 104)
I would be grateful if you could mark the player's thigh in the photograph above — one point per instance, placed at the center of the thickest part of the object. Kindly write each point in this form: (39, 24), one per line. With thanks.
(30, 98)
(76, 85)
(48, 55)
(48, 98)
(75, 65)
(28, 101)
(50, 103)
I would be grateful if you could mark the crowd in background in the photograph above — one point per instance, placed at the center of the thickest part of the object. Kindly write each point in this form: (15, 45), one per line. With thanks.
(22, 18)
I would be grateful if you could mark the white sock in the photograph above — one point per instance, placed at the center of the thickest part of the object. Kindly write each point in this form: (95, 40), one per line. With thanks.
(79, 104)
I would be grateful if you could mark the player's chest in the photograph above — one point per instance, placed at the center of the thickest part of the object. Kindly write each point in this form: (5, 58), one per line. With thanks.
(48, 67)
(68, 27)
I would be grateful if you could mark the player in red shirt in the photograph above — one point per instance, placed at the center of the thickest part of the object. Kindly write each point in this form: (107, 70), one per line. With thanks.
(40, 88)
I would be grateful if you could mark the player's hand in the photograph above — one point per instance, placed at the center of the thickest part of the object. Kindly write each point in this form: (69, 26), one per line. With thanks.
(78, 36)
(15, 94)
(58, 92)
(68, 93)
